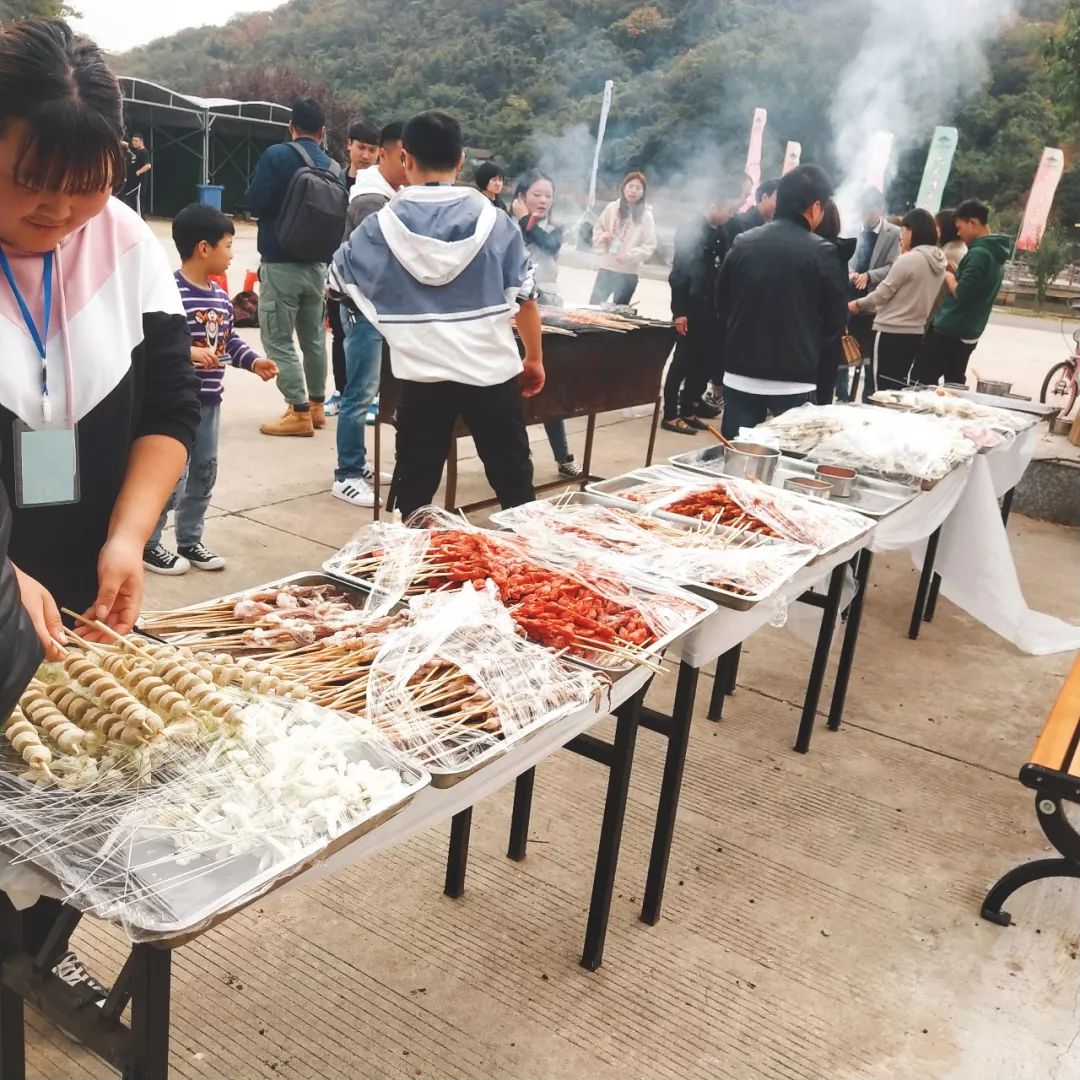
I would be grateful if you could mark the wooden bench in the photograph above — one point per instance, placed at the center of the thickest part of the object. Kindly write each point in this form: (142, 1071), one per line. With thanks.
(1053, 772)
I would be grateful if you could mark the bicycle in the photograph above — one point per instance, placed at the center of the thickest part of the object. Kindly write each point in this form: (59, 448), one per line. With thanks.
(1061, 385)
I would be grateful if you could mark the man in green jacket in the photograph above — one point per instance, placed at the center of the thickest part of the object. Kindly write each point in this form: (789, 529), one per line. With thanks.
(972, 290)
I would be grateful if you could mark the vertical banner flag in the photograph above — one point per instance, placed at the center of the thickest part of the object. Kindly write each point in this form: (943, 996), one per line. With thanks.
(1041, 199)
(605, 108)
(792, 157)
(877, 160)
(753, 153)
(938, 166)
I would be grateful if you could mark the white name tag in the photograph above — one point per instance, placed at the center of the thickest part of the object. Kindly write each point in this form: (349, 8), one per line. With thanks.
(46, 466)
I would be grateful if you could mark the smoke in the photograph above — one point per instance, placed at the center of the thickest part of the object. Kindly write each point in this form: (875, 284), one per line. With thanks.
(917, 61)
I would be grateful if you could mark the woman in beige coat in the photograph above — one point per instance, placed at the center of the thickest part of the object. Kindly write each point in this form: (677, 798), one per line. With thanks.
(625, 236)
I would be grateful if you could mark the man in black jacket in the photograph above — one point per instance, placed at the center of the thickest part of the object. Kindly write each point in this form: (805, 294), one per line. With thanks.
(700, 247)
(780, 296)
(761, 213)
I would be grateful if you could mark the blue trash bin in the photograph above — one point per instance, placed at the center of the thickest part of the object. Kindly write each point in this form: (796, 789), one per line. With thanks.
(210, 194)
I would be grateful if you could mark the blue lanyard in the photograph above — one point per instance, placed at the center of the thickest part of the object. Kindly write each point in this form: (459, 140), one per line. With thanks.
(41, 336)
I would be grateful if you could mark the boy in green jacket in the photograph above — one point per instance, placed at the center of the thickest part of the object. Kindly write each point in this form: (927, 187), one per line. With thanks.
(972, 290)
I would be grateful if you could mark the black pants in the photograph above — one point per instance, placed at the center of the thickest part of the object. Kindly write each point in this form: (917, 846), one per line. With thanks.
(426, 415)
(690, 368)
(611, 283)
(337, 344)
(942, 356)
(894, 356)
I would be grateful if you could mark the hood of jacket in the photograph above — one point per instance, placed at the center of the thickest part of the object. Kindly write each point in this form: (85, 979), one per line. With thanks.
(370, 181)
(436, 231)
(997, 244)
(937, 258)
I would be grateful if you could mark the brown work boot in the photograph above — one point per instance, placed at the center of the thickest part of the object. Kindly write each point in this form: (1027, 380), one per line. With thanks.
(292, 423)
(318, 414)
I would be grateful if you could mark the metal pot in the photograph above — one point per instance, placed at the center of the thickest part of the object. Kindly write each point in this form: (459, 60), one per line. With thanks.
(994, 387)
(807, 485)
(751, 460)
(840, 478)
(1060, 425)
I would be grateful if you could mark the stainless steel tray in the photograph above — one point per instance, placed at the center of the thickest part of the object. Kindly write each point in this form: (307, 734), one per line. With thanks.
(504, 518)
(1035, 408)
(871, 495)
(618, 487)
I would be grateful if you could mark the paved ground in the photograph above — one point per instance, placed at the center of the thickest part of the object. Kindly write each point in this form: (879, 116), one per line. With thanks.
(821, 920)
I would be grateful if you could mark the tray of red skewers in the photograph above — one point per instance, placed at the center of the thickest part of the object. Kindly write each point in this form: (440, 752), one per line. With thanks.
(591, 613)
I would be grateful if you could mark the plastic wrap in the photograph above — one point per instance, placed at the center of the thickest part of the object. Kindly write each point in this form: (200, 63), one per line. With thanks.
(592, 612)
(799, 430)
(741, 565)
(195, 815)
(457, 685)
(940, 402)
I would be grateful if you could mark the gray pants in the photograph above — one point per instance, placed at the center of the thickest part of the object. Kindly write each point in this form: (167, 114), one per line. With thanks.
(292, 299)
(191, 496)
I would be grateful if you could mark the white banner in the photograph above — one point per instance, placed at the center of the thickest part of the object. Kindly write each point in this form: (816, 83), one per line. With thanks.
(605, 108)
(877, 160)
(753, 153)
(792, 157)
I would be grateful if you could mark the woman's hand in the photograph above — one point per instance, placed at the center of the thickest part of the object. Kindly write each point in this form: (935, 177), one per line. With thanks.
(43, 612)
(853, 307)
(518, 208)
(120, 588)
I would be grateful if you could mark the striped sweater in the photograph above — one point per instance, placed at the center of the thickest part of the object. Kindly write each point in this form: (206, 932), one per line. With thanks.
(210, 323)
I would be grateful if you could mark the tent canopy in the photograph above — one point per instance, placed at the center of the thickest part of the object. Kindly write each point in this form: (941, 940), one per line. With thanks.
(195, 141)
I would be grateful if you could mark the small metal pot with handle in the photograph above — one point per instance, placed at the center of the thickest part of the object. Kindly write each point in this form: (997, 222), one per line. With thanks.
(750, 460)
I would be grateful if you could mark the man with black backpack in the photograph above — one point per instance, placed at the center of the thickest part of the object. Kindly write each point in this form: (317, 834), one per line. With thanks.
(300, 197)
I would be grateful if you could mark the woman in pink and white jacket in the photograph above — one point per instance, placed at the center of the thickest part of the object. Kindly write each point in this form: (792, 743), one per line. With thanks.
(625, 235)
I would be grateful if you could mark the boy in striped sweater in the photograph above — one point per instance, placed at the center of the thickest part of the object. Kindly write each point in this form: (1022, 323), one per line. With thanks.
(204, 238)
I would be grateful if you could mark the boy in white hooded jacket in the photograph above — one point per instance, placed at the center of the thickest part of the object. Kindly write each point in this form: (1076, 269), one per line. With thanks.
(441, 273)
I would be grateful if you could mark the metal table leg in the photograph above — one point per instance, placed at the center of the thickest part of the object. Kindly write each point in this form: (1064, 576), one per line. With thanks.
(727, 667)
(519, 820)
(586, 457)
(922, 594)
(829, 612)
(150, 1014)
(457, 858)
(682, 716)
(851, 638)
(652, 433)
(607, 856)
(734, 658)
(12, 1027)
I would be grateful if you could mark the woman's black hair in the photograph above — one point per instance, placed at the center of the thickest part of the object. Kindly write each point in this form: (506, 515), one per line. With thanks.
(923, 227)
(946, 223)
(486, 171)
(527, 180)
(830, 222)
(59, 84)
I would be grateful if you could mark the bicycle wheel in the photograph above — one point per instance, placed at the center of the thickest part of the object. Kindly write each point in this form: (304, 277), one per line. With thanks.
(1059, 387)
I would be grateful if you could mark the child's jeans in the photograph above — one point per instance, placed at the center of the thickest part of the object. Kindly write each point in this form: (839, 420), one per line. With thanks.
(191, 496)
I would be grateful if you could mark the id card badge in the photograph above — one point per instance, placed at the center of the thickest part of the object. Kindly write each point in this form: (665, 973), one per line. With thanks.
(46, 465)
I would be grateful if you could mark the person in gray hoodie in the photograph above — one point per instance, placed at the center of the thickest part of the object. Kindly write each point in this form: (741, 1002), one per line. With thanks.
(441, 273)
(373, 189)
(903, 302)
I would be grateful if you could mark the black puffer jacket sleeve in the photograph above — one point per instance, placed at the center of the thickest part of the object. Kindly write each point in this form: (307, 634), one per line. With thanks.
(170, 403)
(20, 650)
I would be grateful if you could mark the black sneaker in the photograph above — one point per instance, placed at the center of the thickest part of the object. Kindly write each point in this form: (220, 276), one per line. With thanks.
(202, 558)
(70, 970)
(160, 560)
(570, 468)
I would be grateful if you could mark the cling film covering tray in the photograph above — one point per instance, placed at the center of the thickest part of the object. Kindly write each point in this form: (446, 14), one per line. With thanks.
(736, 570)
(593, 613)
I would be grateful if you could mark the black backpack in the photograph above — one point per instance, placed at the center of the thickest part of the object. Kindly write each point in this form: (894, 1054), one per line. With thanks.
(311, 220)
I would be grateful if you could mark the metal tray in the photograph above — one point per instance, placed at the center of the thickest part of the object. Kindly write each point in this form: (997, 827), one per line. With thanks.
(871, 496)
(617, 487)
(1035, 408)
(503, 518)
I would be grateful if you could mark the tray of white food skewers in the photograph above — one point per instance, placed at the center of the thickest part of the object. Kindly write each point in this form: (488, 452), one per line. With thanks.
(161, 795)
(456, 711)
(937, 401)
(735, 569)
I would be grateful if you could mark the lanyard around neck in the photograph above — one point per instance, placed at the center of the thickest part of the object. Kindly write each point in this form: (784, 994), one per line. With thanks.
(40, 337)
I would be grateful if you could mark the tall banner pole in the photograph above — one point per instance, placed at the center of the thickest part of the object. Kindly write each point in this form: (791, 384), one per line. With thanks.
(605, 108)
(792, 157)
(938, 166)
(753, 153)
(1041, 199)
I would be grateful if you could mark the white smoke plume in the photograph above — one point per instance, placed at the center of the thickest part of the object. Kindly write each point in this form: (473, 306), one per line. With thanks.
(917, 60)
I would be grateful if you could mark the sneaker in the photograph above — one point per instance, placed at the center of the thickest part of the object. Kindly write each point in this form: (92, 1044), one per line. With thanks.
(356, 491)
(332, 404)
(570, 468)
(202, 558)
(160, 560)
(317, 409)
(291, 423)
(679, 426)
(70, 970)
(368, 473)
(713, 400)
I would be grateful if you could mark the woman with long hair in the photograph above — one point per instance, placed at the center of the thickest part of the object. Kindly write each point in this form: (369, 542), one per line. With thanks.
(98, 395)
(903, 302)
(534, 196)
(949, 239)
(625, 236)
(832, 371)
